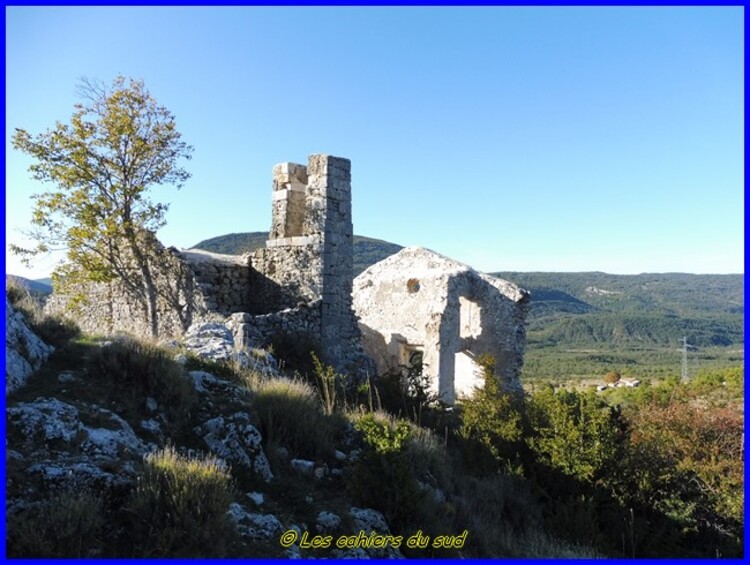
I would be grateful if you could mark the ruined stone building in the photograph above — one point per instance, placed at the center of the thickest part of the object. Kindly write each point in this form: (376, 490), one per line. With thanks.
(418, 305)
(300, 282)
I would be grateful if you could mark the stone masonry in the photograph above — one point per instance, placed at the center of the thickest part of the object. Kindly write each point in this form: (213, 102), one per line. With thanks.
(309, 254)
(300, 282)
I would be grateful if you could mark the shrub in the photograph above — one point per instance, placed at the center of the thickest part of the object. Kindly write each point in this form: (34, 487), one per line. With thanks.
(55, 330)
(574, 433)
(382, 433)
(179, 507)
(383, 478)
(138, 369)
(288, 414)
(612, 377)
(407, 390)
(70, 524)
(329, 385)
(492, 421)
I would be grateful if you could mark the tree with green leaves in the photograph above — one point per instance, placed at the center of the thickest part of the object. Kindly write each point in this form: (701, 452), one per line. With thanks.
(119, 144)
(493, 418)
(575, 433)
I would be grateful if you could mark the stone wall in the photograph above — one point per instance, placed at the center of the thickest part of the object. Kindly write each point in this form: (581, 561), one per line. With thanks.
(109, 308)
(224, 280)
(257, 331)
(301, 281)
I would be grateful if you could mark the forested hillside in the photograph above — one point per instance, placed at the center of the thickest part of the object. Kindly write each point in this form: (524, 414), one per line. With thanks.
(649, 309)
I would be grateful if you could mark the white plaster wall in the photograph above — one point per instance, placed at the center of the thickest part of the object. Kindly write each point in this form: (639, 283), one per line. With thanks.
(468, 375)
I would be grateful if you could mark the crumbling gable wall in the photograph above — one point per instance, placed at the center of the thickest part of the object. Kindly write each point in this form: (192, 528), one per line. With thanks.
(418, 300)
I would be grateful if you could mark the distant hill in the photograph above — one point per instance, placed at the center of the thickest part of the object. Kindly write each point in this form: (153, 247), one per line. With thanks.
(367, 251)
(42, 287)
(653, 309)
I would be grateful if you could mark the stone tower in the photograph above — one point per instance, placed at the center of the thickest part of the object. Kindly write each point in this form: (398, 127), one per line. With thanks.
(308, 257)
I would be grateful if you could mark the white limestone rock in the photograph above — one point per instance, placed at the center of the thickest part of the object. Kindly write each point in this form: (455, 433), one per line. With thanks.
(206, 383)
(114, 440)
(255, 526)
(236, 440)
(327, 522)
(24, 351)
(369, 520)
(81, 472)
(212, 341)
(49, 420)
(45, 419)
(151, 404)
(153, 427)
(66, 377)
(302, 466)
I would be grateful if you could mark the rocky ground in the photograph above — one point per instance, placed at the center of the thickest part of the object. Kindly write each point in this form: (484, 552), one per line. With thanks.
(70, 430)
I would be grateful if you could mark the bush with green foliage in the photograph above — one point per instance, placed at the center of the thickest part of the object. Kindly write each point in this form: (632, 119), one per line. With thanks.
(576, 433)
(492, 422)
(179, 507)
(687, 462)
(382, 434)
(382, 478)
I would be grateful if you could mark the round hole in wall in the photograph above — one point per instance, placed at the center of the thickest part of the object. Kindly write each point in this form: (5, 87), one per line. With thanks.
(412, 285)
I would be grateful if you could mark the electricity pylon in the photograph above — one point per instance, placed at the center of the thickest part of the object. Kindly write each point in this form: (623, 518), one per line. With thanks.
(685, 346)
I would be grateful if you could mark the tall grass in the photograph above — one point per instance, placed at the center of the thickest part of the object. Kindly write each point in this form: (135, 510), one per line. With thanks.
(139, 369)
(288, 414)
(69, 524)
(179, 507)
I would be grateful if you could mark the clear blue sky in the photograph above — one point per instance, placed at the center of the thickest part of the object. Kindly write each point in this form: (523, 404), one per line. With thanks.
(547, 139)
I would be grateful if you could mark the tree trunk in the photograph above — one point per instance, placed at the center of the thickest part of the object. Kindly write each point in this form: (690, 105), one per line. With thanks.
(153, 310)
(149, 288)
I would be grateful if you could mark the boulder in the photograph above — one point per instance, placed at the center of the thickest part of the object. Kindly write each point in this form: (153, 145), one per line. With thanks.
(236, 440)
(210, 340)
(327, 522)
(253, 525)
(24, 351)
